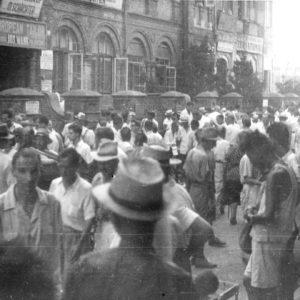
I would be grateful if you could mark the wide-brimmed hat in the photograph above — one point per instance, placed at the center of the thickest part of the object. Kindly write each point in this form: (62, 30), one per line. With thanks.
(107, 150)
(210, 134)
(44, 132)
(136, 192)
(4, 132)
(161, 154)
(80, 116)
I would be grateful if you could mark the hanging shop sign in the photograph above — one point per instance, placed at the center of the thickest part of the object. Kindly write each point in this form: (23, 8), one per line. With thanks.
(226, 41)
(249, 43)
(32, 107)
(23, 34)
(27, 8)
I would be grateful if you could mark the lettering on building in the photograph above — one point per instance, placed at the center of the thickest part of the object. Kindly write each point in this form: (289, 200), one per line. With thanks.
(28, 8)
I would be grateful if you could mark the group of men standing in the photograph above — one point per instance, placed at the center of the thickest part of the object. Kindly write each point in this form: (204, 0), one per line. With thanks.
(81, 191)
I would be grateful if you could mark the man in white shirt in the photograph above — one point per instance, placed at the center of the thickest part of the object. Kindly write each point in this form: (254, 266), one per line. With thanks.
(183, 137)
(78, 144)
(6, 177)
(168, 120)
(152, 138)
(77, 205)
(7, 117)
(204, 119)
(187, 113)
(232, 129)
(87, 135)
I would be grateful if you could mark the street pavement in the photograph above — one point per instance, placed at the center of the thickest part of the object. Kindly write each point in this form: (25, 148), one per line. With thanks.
(229, 259)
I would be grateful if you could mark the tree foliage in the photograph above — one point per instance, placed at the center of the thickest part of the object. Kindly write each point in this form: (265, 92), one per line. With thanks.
(289, 86)
(196, 72)
(246, 82)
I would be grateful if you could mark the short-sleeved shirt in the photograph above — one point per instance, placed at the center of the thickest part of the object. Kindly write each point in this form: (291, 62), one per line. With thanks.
(84, 150)
(232, 132)
(77, 205)
(185, 114)
(42, 232)
(6, 176)
(183, 136)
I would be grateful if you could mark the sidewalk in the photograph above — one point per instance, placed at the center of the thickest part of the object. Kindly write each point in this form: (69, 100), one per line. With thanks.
(230, 265)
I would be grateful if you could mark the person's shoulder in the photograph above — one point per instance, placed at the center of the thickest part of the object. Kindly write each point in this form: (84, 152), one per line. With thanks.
(96, 262)
(84, 183)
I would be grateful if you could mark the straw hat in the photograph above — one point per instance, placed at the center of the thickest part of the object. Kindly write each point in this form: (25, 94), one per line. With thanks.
(136, 192)
(108, 150)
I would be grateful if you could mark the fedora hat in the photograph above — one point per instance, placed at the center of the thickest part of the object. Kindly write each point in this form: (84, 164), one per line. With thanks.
(210, 134)
(161, 154)
(107, 150)
(136, 192)
(4, 132)
(43, 132)
(169, 112)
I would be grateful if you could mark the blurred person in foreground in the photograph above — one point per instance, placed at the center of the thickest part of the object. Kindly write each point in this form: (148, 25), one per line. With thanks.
(31, 216)
(24, 275)
(133, 270)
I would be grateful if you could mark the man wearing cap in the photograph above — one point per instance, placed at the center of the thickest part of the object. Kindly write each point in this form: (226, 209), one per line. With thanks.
(187, 113)
(133, 270)
(77, 205)
(6, 177)
(199, 169)
(195, 229)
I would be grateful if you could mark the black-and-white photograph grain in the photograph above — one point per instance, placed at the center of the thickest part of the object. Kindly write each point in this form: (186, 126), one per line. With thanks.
(149, 150)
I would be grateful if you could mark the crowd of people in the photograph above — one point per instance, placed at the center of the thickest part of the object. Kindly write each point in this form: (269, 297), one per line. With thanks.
(124, 210)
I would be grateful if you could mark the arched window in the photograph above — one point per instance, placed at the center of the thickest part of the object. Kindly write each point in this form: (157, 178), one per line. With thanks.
(165, 74)
(137, 73)
(67, 69)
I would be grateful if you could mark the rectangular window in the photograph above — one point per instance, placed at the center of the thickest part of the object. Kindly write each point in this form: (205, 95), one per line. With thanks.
(105, 74)
(171, 79)
(137, 74)
(60, 71)
(121, 74)
(89, 69)
(75, 66)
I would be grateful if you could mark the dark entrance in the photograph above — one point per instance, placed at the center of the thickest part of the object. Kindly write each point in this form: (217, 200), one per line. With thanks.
(19, 67)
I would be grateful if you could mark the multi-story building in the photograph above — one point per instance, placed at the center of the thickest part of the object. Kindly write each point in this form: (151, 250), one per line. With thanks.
(113, 45)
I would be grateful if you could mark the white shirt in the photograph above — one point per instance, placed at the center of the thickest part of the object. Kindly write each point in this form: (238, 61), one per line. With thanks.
(204, 121)
(88, 136)
(14, 126)
(167, 123)
(56, 144)
(126, 147)
(84, 150)
(170, 138)
(6, 176)
(77, 205)
(221, 150)
(232, 132)
(187, 114)
(154, 138)
(183, 136)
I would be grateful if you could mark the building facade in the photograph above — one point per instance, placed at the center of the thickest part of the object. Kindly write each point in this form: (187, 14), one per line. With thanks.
(114, 45)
